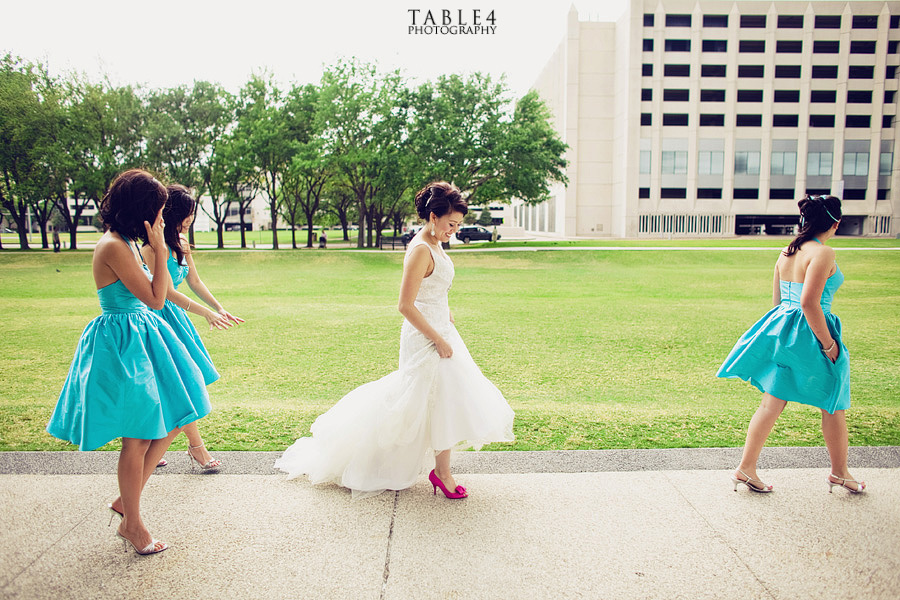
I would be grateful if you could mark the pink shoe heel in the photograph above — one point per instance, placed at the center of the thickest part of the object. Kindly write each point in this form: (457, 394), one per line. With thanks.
(459, 492)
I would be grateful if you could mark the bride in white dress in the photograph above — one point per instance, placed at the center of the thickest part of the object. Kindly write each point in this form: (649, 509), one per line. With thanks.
(383, 435)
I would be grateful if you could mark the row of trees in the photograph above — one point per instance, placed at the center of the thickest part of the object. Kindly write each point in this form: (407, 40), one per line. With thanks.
(358, 144)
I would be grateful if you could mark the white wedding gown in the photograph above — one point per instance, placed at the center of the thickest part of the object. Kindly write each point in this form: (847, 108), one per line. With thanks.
(383, 435)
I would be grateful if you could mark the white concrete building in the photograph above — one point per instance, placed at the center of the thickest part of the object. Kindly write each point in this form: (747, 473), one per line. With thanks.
(711, 118)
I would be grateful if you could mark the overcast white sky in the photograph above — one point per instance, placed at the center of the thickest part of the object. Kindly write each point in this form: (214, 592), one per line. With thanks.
(166, 43)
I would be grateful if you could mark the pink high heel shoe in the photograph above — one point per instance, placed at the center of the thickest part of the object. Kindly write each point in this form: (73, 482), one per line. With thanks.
(459, 492)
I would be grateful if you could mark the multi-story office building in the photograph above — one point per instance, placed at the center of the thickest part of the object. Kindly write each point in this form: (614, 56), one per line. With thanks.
(712, 118)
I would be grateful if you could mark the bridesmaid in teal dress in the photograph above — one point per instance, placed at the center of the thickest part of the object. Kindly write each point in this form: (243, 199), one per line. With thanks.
(795, 353)
(179, 214)
(131, 377)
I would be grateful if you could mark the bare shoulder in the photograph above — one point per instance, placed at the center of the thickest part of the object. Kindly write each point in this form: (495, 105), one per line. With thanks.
(185, 245)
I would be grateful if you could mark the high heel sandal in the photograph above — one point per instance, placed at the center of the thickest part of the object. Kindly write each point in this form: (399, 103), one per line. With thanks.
(148, 549)
(459, 492)
(114, 514)
(860, 485)
(210, 465)
(764, 489)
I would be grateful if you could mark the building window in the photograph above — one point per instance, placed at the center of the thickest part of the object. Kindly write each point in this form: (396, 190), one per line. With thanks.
(784, 163)
(646, 119)
(856, 164)
(855, 194)
(713, 70)
(861, 72)
(752, 46)
(787, 95)
(753, 21)
(862, 47)
(678, 45)
(648, 45)
(888, 96)
(890, 71)
(887, 121)
(789, 46)
(677, 95)
(646, 94)
(892, 46)
(885, 163)
(715, 45)
(746, 163)
(748, 120)
(828, 22)
(781, 193)
(675, 119)
(818, 191)
(648, 19)
(677, 70)
(708, 193)
(883, 195)
(859, 96)
(711, 163)
(715, 20)
(826, 47)
(746, 193)
(790, 21)
(818, 163)
(865, 22)
(678, 20)
(821, 120)
(643, 192)
(750, 95)
(751, 70)
(787, 71)
(674, 162)
(647, 70)
(824, 71)
(673, 193)
(784, 120)
(709, 120)
(823, 96)
(713, 95)
(644, 165)
(895, 22)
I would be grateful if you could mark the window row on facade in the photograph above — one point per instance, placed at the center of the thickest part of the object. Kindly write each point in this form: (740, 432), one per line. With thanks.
(782, 22)
(781, 71)
(790, 96)
(754, 193)
(712, 162)
(753, 120)
(781, 46)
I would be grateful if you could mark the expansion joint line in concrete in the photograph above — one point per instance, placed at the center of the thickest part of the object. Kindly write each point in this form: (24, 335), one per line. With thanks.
(722, 539)
(387, 553)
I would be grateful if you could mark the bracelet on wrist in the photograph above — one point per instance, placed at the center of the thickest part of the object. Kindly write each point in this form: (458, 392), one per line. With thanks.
(831, 347)
(186, 308)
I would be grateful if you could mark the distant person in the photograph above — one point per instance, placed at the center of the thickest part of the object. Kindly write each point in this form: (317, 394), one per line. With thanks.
(795, 353)
(382, 435)
(179, 214)
(56, 243)
(323, 240)
(131, 377)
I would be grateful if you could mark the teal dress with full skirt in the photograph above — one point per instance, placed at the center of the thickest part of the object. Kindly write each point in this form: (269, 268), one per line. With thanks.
(131, 377)
(780, 354)
(177, 318)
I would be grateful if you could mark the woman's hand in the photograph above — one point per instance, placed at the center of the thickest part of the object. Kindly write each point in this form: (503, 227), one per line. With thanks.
(230, 317)
(443, 348)
(217, 320)
(156, 234)
(834, 353)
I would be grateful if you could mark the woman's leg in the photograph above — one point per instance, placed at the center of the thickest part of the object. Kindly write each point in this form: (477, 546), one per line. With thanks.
(130, 474)
(834, 430)
(150, 453)
(196, 447)
(758, 431)
(442, 469)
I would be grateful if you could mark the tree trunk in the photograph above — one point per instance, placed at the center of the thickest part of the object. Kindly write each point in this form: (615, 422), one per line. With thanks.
(243, 233)
(273, 213)
(361, 234)
(220, 235)
(293, 236)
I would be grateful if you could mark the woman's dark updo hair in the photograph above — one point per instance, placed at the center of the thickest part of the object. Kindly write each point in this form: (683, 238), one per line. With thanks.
(179, 207)
(134, 196)
(817, 214)
(440, 198)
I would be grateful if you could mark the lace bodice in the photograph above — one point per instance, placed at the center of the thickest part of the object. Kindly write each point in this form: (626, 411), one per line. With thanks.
(432, 299)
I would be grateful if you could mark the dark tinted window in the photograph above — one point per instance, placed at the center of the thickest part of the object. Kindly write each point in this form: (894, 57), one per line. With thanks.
(746, 193)
(748, 120)
(676, 119)
(750, 95)
(787, 71)
(823, 96)
(781, 193)
(895, 21)
(752, 46)
(678, 45)
(855, 194)
(643, 192)
(888, 96)
(678, 20)
(648, 45)
(677, 95)
(787, 95)
(709, 192)
(824, 72)
(859, 96)
(712, 95)
(821, 120)
(892, 47)
(862, 47)
(865, 22)
(712, 120)
(790, 21)
(890, 71)
(753, 21)
(887, 121)
(646, 119)
(646, 94)
(646, 70)
(751, 71)
(784, 120)
(677, 70)
(828, 22)
(861, 72)
(715, 20)
(715, 45)
(673, 192)
(648, 20)
(858, 120)
(713, 70)
(826, 47)
(789, 46)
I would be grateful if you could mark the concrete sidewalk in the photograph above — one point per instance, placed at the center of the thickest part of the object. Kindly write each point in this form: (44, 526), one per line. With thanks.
(632, 524)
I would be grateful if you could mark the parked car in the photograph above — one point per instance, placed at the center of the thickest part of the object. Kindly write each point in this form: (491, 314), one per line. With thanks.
(474, 232)
(409, 234)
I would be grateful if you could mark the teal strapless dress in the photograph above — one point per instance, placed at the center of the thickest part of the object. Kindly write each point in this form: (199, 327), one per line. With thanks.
(780, 354)
(177, 318)
(131, 377)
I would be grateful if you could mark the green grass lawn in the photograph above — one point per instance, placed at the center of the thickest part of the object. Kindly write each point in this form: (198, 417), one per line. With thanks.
(596, 349)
